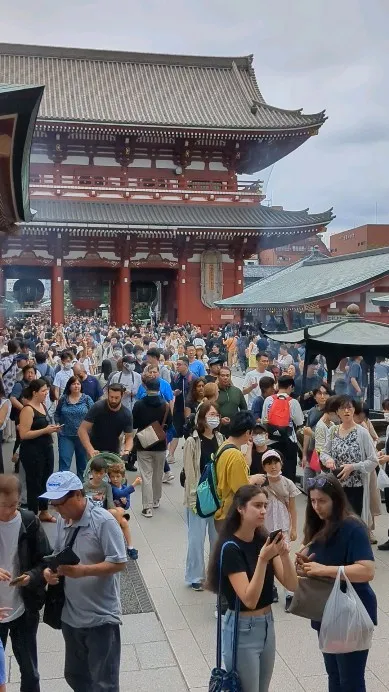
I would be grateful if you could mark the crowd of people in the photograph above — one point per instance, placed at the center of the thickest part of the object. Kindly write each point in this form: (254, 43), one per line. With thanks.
(120, 401)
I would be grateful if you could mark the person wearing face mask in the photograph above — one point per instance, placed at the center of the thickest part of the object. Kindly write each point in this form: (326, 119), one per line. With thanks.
(198, 451)
(281, 509)
(130, 379)
(256, 448)
(64, 374)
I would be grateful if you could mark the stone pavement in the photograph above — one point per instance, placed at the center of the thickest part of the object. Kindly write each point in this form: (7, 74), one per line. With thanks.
(174, 649)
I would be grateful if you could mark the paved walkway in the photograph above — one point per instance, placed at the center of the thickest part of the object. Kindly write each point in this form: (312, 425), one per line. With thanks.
(174, 649)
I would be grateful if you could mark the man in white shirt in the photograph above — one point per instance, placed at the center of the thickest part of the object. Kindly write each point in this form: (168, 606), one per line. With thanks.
(64, 374)
(130, 379)
(251, 381)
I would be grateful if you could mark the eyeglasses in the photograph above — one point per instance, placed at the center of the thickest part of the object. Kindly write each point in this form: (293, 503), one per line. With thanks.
(59, 504)
(318, 482)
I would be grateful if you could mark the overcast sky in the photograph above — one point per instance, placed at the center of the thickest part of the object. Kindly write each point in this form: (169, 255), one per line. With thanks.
(315, 54)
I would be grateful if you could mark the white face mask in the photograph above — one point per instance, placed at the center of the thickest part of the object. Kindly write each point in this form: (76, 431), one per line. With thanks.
(213, 422)
(259, 440)
(67, 366)
(130, 367)
(386, 415)
(274, 475)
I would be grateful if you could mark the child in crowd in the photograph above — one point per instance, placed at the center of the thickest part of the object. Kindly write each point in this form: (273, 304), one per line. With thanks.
(120, 490)
(281, 509)
(99, 491)
(256, 449)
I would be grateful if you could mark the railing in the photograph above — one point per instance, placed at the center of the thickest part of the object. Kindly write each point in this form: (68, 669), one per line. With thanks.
(96, 183)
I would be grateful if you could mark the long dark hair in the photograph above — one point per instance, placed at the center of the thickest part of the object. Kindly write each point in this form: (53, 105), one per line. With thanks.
(231, 524)
(192, 393)
(317, 529)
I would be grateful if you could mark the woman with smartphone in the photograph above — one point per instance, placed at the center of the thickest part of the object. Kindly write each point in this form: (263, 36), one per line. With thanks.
(244, 569)
(36, 447)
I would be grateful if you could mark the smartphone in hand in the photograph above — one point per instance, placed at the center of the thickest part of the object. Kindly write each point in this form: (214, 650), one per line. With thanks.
(273, 535)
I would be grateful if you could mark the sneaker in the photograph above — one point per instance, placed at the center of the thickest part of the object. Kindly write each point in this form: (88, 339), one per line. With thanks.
(288, 601)
(147, 512)
(197, 586)
(132, 553)
(170, 459)
(168, 477)
(373, 540)
(275, 594)
(383, 546)
(156, 504)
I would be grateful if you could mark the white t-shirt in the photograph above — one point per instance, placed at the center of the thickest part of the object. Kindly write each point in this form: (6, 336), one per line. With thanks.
(296, 415)
(131, 381)
(61, 379)
(10, 596)
(253, 376)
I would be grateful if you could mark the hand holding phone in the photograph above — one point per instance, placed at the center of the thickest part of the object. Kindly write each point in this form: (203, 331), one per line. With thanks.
(18, 581)
(273, 535)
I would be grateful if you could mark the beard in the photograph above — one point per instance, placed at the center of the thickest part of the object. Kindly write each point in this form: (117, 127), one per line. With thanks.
(115, 405)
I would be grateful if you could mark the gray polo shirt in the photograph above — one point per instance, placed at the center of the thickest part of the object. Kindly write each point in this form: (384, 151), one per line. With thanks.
(93, 601)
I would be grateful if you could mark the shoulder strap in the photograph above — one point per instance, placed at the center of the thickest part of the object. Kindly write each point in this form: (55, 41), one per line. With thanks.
(276, 495)
(165, 415)
(120, 377)
(73, 538)
(219, 617)
(220, 451)
(8, 369)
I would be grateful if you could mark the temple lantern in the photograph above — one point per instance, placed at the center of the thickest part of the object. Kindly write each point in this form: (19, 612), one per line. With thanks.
(86, 291)
(28, 291)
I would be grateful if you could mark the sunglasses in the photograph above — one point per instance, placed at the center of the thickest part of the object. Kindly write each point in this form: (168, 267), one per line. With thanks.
(318, 482)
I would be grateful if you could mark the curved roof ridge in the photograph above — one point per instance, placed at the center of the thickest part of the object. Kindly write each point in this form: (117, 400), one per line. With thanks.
(320, 115)
(68, 52)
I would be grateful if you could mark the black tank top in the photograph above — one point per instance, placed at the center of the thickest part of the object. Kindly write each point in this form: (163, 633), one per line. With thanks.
(39, 421)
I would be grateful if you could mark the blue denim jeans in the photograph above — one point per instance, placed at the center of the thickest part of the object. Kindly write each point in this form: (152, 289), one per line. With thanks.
(346, 672)
(67, 446)
(197, 529)
(256, 649)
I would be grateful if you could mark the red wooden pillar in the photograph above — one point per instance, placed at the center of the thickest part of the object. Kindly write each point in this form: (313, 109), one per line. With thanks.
(181, 291)
(2, 298)
(323, 313)
(57, 295)
(123, 297)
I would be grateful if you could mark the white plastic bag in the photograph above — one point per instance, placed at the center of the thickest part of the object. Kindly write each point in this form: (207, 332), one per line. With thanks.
(346, 625)
(382, 479)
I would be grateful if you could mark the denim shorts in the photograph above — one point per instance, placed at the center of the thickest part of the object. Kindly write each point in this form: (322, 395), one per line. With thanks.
(3, 676)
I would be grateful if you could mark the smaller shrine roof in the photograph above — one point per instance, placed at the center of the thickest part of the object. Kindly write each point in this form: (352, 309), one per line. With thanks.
(351, 333)
(313, 279)
(257, 272)
(114, 87)
(256, 217)
(381, 300)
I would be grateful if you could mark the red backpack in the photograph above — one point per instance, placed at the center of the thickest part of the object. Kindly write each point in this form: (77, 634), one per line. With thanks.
(278, 418)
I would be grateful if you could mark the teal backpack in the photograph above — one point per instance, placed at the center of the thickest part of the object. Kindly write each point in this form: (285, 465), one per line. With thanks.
(207, 498)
